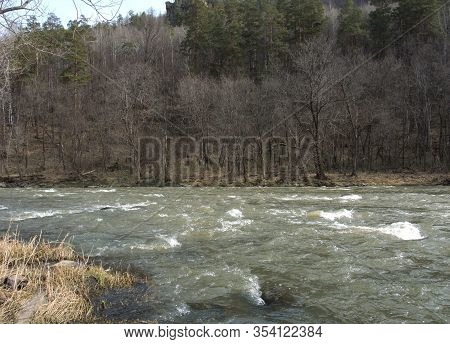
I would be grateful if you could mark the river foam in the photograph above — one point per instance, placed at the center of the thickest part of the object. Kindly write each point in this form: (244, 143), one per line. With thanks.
(27, 215)
(49, 190)
(304, 198)
(402, 230)
(236, 213)
(233, 226)
(247, 283)
(102, 191)
(163, 243)
(331, 215)
(348, 198)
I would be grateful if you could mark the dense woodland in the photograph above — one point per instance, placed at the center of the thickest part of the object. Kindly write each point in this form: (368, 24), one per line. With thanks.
(367, 81)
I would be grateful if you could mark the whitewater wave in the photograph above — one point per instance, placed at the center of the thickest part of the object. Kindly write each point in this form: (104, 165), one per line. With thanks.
(124, 207)
(2, 207)
(165, 243)
(331, 215)
(233, 226)
(348, 198)
(102, 191)
(28, 215)
(171, 241)
(236, 213)
(39, 214)
(304, 198)
(253, 290)
(49, 191)
(183, 309)
(65, 194)
(133, 206)
(403, 230)
(247, 283)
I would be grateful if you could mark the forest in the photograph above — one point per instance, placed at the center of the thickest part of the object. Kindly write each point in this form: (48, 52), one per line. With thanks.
(368, 82)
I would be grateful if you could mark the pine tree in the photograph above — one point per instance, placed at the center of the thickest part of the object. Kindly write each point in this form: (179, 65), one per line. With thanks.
(197, 43)
(381, 22)
(263, 36)
(422, 15)
(77, 54)
(352, 32)
(303, 18)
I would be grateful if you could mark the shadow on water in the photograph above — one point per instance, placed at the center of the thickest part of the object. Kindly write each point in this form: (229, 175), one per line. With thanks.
(134, 304)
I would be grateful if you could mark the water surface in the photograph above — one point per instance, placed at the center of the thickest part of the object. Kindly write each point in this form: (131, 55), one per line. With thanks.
(259, 255)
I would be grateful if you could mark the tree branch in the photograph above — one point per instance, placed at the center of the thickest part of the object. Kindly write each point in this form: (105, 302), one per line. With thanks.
(23, 6)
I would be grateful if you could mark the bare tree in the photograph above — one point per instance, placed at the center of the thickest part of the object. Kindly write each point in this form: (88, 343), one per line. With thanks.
(317, 69)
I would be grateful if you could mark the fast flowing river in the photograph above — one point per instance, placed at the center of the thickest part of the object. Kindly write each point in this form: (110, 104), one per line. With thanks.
(258, 255)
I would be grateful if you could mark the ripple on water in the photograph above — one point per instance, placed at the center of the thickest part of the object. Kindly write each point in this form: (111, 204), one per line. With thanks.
(163, 243)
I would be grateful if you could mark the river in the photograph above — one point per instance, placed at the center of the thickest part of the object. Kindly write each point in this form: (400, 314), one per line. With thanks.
(258, 255)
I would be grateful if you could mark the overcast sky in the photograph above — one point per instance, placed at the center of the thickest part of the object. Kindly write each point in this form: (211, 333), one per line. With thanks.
(66, 10)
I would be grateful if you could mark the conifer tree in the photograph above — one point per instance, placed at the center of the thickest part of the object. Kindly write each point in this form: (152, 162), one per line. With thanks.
(303, 18)
(352, 31)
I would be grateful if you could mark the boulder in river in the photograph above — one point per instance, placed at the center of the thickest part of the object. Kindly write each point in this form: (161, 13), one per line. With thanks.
(276, 294)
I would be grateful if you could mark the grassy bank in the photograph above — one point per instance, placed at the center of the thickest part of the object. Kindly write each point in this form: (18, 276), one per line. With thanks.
(42, 282)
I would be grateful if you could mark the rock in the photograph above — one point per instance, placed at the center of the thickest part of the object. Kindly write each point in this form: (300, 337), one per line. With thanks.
(30, 307)
(277, 294)
(66, 264)
(2, 185)
(16, 282)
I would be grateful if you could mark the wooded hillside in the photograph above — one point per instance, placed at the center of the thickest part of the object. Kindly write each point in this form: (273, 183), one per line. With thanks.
(370, 85)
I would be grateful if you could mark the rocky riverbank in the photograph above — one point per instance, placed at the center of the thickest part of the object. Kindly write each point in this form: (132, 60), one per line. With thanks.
(125, 180)
(44, 282)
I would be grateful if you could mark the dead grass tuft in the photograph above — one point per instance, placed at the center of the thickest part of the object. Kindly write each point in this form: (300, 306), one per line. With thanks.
(50, 293)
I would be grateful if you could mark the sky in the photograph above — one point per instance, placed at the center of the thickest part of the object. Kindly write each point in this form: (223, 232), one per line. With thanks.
(66, 10)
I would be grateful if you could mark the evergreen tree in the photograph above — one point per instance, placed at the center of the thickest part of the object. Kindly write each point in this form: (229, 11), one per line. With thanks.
(197, 43)
(352, 32)
(52, 23)
(77, 53)
(381, 25)
(263, 36)
(410, 13)
(303, 18)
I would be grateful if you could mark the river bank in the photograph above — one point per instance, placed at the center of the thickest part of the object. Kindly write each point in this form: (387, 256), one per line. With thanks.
(43, 282)
(124, 180)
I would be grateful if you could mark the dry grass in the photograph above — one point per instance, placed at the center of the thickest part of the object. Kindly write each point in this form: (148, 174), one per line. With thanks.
(53, 294)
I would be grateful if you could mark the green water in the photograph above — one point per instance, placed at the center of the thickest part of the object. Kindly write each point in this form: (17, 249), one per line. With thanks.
(259, 255)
